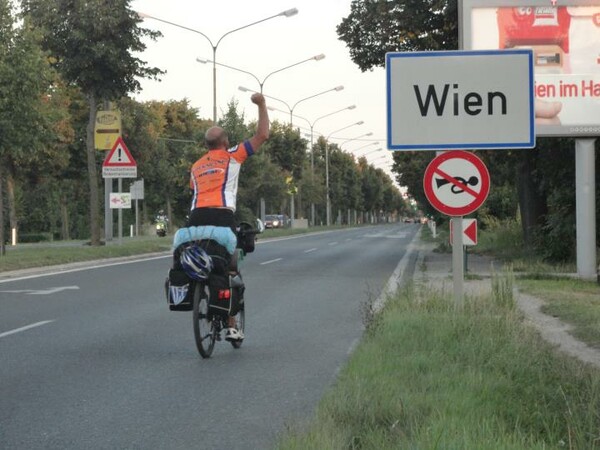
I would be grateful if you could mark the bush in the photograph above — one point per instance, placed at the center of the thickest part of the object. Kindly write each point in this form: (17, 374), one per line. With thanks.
(35, 237)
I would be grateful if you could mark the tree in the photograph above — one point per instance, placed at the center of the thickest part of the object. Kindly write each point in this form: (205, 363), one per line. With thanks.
(92, 43)
(375, 27)
(26, 118)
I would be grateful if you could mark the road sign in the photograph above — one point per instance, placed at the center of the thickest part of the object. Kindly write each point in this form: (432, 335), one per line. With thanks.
(456, 183)
(460, 100)
(469, 231)
(118, 162)
(107, 129)
(120, 200)
(137, 190)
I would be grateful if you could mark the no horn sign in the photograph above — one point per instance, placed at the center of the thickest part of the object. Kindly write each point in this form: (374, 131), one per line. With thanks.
(456, 183)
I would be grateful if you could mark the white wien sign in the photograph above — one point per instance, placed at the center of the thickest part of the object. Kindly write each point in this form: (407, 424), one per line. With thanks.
(460, 100)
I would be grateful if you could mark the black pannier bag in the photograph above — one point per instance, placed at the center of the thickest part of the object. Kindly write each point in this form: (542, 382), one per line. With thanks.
(246, 237)
(179, 290)
(226, 294)
(219, 254)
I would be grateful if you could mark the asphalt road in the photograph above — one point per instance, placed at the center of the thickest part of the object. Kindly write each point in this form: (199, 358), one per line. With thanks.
(93, 359)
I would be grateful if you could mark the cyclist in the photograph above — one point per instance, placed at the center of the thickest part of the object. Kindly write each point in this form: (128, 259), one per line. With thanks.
(214, 180)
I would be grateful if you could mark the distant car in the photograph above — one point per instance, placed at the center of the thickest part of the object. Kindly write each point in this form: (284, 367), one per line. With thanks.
(409, 220)
(276, 221)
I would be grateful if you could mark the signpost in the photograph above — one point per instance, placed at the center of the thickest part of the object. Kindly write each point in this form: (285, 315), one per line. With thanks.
(137, 193)
(460, 100)
(107, 129)
(478, 99)
(119, 163)
(456, 183)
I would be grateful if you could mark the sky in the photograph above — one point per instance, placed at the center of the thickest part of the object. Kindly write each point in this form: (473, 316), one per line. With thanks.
(262, 49)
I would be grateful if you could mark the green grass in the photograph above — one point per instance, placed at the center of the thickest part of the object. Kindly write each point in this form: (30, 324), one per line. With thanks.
(573, 301)
(429, 376)
(25, 256)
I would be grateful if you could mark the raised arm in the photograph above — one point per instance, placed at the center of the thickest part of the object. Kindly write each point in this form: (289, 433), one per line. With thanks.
(262, 128)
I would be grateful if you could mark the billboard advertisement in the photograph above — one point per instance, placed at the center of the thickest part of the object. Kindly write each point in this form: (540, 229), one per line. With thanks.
(565, 40)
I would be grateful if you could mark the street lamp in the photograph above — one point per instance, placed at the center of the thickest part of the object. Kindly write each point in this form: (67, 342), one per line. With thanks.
(262, 83)
(286, 13)
(372, 151)
(355, 138)
(291, 108)
(312, 152)
(328, 205)
(364, 146)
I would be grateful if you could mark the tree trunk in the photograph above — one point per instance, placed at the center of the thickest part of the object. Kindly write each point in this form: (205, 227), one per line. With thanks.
(532, 204)
(2, 241)
(64, 218)
(93, 176)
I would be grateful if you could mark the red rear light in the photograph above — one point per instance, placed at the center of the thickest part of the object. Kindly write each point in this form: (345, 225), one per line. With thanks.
(224, 294)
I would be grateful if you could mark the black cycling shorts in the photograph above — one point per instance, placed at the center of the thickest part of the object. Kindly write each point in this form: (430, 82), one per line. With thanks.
(218, 217)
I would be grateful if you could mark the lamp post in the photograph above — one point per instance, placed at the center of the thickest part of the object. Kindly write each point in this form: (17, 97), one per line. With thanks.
(286, 13)
(372, 151)
(364, 146)
(291, 108)
(355, 138)
(261, 83)
(312, 152)
(328, 205)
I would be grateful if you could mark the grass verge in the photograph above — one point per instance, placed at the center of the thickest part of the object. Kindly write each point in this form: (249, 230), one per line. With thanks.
(26, 256)
(430, 376)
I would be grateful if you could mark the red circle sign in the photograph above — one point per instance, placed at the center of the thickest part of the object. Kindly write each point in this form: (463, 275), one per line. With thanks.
(456, 183)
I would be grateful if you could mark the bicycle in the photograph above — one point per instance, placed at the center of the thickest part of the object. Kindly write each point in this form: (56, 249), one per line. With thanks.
(209, 318)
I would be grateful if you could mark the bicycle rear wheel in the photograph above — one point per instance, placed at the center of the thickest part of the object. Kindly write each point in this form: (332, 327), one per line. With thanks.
(239, 324)
(204, 329)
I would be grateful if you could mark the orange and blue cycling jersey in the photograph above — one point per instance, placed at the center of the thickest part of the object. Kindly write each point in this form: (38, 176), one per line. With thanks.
(214, 177)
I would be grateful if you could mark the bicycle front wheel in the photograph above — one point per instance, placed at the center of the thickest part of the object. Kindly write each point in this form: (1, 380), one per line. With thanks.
(204, 329)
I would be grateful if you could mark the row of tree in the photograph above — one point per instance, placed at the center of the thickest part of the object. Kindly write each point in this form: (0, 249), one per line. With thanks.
(535, 187)
(61, 61)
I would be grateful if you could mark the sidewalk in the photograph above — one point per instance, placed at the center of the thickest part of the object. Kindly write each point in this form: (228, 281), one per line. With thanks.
(435, 270)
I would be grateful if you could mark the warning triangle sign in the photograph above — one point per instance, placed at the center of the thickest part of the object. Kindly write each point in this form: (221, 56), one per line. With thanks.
(119, 156)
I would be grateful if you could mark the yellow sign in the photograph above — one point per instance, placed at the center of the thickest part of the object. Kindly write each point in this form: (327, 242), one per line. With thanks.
(292, 189)
(107, 129)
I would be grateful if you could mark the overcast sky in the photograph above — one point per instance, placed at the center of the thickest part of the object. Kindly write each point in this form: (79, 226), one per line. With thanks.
(262, 49)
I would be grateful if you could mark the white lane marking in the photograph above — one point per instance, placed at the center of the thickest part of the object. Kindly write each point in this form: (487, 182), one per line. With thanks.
(43, 291)
(394, 281)
(387, 236)
(25, 328)
(333, 243)
(270, 262)
(348, 240)
(310, 250)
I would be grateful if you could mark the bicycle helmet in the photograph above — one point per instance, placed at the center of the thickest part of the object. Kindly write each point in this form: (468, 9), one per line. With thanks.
(196, 263)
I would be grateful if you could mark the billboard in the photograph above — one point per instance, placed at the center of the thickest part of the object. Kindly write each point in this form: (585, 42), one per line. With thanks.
(565, 40)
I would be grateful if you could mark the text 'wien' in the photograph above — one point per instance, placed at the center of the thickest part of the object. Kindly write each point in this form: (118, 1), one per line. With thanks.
(471, 103)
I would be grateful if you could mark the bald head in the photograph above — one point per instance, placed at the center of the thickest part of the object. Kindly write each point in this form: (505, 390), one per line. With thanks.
(216, 137)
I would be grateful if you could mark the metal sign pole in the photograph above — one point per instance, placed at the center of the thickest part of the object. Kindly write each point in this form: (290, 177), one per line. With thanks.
(108, 217)
(457, 261)
(137, 218)
(120, 188)
(585, 189)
